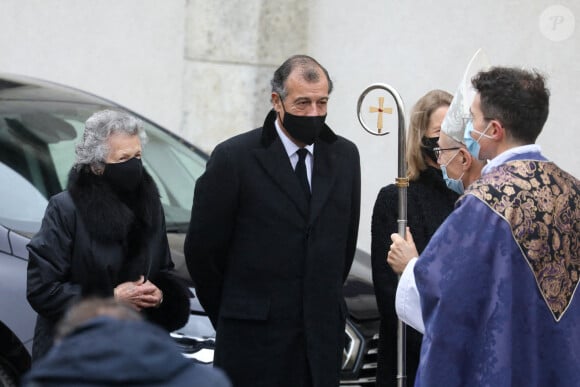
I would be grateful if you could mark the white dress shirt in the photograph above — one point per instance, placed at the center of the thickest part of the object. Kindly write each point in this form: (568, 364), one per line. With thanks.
(291, 149)
(508, 154)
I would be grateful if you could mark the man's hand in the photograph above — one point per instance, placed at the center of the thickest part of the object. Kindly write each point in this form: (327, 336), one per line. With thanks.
(401, 251)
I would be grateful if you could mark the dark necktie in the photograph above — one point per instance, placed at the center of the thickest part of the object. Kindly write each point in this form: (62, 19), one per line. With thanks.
(301, 171)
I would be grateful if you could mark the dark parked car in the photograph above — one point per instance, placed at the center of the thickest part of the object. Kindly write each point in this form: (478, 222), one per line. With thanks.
(39, 126)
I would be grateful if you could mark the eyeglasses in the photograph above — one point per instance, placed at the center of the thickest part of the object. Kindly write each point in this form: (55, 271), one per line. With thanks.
(438, 150)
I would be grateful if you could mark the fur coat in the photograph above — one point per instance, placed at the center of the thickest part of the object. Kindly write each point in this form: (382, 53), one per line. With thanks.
(91, 240)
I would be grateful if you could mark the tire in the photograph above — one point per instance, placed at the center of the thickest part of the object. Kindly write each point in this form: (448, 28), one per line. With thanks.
(7, 378)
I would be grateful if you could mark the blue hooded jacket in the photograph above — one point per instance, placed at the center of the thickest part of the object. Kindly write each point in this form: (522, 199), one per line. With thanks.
(111, 352)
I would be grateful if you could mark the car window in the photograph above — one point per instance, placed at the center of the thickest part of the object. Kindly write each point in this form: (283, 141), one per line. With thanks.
(175, 169)
(22, 205)
(63, 153)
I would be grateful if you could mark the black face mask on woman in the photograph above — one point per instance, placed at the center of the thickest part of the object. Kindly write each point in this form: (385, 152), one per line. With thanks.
(428, 143)
(124, 176)
(305, 129)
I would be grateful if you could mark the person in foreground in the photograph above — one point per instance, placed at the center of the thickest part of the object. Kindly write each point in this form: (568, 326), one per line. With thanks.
(105, 235)
(429, 201)
(498, 279)
(105, 342)
(272, 238)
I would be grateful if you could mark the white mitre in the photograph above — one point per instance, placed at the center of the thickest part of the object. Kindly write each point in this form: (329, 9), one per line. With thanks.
(456, 117)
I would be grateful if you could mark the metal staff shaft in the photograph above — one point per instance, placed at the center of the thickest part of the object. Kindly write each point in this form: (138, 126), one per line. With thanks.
(402, 182)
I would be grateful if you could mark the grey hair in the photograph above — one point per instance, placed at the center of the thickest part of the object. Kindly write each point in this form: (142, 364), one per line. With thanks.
(310, 72)
(94, 148)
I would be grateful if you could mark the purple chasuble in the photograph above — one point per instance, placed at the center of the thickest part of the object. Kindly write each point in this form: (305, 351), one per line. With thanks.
(497, 282)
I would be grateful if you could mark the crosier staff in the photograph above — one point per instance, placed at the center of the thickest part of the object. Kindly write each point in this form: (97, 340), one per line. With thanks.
(402, 182)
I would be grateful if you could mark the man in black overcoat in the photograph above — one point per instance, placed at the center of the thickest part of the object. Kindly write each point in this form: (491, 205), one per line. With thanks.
(273, 235)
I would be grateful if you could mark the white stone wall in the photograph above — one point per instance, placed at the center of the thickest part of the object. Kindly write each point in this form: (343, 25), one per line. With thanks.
(232, 49)
(129, 51)
(416, 46)
(202, 68)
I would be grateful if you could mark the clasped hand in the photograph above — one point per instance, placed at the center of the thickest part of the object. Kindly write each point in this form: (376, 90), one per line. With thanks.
(140, 294)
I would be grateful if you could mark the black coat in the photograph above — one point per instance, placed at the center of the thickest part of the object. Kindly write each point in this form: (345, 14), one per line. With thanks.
(89, 242)
(268, 267)
(429, 201)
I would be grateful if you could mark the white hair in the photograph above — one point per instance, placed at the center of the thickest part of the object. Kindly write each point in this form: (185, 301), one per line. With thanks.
(94, 148)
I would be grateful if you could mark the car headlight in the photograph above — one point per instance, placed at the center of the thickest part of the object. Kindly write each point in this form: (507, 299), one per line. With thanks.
(352, 347)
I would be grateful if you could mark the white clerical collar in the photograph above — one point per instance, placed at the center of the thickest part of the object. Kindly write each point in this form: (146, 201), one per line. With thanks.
(508, 154)
(290, 147)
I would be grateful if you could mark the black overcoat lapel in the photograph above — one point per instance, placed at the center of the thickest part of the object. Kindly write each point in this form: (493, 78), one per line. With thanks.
(324, 173)
(276, 163)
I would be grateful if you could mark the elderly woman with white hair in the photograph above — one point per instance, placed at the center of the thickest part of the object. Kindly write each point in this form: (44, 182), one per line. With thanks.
(105, 235)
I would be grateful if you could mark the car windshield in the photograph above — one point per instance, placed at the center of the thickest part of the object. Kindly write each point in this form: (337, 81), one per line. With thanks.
(37, 141)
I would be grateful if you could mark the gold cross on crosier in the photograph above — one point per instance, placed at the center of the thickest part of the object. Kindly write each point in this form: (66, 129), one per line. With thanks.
(381, 110)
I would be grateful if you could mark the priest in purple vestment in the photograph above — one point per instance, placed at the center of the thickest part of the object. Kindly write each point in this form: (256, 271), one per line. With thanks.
(497, 281)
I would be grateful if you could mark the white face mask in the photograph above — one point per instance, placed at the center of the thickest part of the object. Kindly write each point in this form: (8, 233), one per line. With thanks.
(471, 144)
(453, 184)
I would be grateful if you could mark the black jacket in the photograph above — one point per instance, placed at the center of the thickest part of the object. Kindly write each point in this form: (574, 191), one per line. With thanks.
(89, 242)
(107, 352)
(268, 266)
(429, 201)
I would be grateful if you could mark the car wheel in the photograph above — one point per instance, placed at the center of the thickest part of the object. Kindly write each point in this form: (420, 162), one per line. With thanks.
(7, 378)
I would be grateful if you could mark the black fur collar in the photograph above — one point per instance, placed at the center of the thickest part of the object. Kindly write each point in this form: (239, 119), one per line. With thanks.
(107, 215)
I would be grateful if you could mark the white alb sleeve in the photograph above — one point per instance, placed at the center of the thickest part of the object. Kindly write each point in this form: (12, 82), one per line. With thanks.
(407, 300)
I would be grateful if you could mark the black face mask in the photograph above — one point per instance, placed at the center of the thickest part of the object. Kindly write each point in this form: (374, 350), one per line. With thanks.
(305, 129)
(428, 143)
(124, 176)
